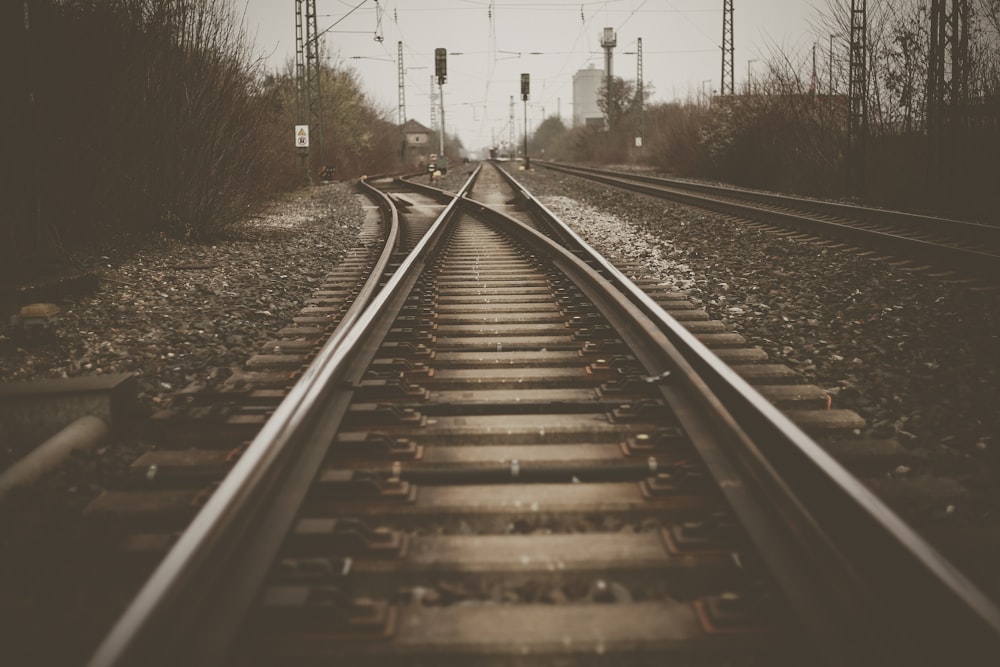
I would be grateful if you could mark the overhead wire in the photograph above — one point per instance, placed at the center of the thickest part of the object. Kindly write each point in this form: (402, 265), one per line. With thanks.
(684, 14)
(631, 14)
(335, 23)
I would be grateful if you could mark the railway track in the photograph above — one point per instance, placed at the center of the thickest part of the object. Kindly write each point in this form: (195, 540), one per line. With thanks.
(506, 453)
(959, 245)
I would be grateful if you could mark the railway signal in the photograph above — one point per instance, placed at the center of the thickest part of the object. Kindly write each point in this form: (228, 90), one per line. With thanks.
(525, 92)
(441, 71)
(441, 65)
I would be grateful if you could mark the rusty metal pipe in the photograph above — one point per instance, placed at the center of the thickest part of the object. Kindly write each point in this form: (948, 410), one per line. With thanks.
(84, 433)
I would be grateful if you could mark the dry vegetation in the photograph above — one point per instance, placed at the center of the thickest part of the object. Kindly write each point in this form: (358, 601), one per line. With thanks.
(149, 117)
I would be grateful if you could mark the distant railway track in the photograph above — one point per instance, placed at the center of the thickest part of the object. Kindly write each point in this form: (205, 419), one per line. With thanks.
(498, 450)
(967, 246)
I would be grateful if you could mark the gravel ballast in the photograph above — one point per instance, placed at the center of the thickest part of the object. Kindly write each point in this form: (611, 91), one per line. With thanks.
(176, 314)
(916, 356)
(883, 341)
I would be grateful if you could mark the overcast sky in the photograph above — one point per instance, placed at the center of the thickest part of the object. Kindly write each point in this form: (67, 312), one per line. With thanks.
(491, 43)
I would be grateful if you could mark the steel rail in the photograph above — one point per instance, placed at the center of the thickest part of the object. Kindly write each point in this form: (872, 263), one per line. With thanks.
(190, 608)
(881, 567)
(969, 259)
(754, 492)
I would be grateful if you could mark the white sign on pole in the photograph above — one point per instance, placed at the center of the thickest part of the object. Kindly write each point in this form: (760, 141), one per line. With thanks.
(638, 142)
(302, 136)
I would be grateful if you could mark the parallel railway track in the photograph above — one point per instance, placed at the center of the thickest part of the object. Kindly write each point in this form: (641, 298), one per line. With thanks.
(965, 246)
(506, 453)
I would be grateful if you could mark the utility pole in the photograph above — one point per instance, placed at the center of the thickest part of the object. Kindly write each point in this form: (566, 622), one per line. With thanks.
(513, 145)
(608, 42)
(947, 96)
(302, 106)
(728, 86)
(434, 126)
(639, 95)
(314, 72)
(308, 69)
(400, 73)
(857, 104)
(301, 88)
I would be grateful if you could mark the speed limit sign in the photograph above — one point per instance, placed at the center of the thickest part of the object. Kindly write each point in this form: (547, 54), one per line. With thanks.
(302, 136)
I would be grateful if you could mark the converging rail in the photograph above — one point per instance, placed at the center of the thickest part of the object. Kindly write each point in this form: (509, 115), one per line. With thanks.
(967, 246)
(510, 454)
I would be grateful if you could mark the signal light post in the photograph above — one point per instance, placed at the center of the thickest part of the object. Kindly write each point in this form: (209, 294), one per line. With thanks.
(525, 89)
(441, 71)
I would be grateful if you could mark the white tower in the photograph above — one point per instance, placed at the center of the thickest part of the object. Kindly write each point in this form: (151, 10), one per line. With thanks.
(586, 84)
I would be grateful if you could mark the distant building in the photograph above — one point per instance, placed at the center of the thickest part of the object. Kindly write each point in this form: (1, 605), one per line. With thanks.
(416, 143)
(586, 83)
